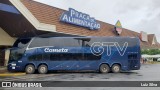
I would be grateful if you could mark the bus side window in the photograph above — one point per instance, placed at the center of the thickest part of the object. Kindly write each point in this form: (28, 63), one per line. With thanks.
(90, 56)
(64, 42)
(39, 57)
(77, 56)
(46, 56)
(87, 45)
(39, 42)
(52, 57)
(31, 58)
(65, 56)
(36, 57)
(55, 57)
(132, 56)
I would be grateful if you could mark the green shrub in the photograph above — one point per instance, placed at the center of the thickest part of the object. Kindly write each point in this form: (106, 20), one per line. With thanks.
(150, 51)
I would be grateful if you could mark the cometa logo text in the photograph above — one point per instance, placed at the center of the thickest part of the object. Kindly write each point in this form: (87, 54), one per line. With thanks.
(55, 50)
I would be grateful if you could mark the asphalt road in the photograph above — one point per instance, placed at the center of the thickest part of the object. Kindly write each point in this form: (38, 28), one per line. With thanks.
(148, 72)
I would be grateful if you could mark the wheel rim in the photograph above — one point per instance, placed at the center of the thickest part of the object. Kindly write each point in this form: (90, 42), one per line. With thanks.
(104, 69)
(116, 68)
(43, 69)
(30, 69)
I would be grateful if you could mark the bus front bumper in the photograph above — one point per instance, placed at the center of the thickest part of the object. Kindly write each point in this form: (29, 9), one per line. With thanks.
(14, 67)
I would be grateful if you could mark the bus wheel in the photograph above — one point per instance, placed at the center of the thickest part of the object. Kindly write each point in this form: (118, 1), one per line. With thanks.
(104, 68)
(116, 68)
(42, 69)
(30, 69)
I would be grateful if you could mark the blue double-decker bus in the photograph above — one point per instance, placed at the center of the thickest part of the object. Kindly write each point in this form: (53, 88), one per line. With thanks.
(102, 54)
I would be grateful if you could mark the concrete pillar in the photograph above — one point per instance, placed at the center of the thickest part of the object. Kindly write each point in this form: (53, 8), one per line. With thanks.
(7, 53)
(6, 40)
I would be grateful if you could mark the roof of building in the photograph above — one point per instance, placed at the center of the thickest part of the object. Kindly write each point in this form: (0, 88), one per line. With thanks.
(51, 15)
(151, 39)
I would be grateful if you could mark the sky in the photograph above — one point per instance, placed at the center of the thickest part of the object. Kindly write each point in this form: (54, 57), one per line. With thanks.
(136, 15)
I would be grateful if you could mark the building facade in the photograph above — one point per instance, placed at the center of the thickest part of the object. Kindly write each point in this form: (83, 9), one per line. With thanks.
(28, 18)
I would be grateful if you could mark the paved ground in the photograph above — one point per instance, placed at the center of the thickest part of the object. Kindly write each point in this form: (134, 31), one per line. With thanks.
(148, 72)
(3, 69)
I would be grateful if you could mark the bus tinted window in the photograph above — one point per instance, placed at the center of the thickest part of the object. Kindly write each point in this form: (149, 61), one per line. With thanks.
(39, 42)
(131, 42)
(90, 56)
(37, 57)
(14, 55)
(21, 43)
(32, 58)
(64, 42)
(65, 56)
(46, 56)
(132, 56)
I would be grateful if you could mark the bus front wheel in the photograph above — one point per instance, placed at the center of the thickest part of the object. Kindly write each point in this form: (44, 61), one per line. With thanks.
(116, 68)
(104, 68)
(30, 69)
(42, 69)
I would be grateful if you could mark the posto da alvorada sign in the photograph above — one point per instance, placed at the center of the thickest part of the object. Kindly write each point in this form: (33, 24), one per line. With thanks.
(78, 18)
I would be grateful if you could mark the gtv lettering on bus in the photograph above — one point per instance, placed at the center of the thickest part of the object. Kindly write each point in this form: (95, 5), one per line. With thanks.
(98, 49)
(55, 50)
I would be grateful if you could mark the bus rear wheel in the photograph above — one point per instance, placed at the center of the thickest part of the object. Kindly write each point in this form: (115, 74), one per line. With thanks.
(116, 68)
(30, 69)
(42, 69)
(104, 68)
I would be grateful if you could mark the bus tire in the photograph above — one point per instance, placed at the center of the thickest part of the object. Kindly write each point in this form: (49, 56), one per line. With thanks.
(116, 68)
(104, 68)
(30, 69)
(42, 69)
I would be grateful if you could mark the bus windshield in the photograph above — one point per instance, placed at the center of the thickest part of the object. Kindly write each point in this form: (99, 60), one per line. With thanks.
(15, 55)
(19, 48)
(21, 43)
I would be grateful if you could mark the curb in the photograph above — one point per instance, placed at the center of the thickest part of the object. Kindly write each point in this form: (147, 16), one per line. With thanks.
(3, 69)
(11, 74)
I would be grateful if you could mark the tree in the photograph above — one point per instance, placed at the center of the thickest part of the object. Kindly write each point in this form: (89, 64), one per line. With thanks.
(150, 51)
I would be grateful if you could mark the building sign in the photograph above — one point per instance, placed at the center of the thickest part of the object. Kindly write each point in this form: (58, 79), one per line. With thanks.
(118, 27)
(78, 18)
